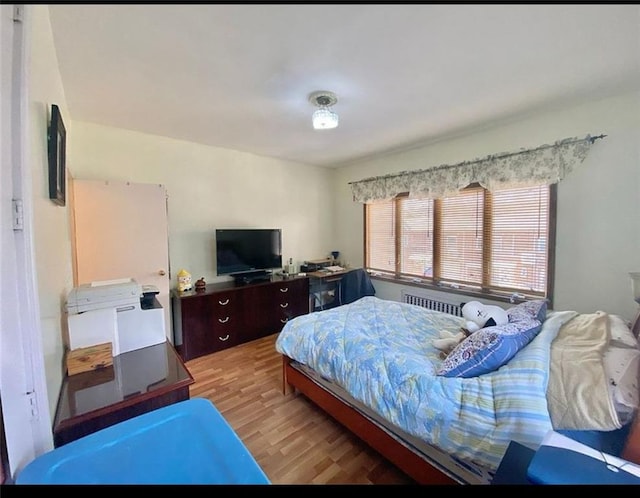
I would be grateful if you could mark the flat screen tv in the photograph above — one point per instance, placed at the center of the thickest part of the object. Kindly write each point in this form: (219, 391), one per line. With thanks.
(248, 250)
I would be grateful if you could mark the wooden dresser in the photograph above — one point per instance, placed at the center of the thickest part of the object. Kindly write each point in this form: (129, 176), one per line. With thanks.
(226, 314)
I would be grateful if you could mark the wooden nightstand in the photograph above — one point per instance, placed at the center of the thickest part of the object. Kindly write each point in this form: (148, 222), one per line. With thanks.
(139, 381)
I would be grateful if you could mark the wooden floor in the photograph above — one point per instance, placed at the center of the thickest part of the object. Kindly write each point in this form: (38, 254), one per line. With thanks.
(293, 441)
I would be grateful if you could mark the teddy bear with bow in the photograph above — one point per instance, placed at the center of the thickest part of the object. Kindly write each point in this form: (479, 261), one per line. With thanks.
(477, 316)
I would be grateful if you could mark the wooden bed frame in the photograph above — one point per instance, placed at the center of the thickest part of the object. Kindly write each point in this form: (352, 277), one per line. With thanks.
(407, 460)
(371, 433)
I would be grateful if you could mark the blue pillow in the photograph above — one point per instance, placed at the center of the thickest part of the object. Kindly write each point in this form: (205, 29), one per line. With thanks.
(489, 348)
(536, 309)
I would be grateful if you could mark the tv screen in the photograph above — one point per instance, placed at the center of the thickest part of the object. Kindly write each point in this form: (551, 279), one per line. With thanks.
(248, 249)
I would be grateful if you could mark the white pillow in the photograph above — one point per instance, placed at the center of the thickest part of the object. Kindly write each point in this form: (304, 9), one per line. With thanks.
(622, 366)
(621, 334)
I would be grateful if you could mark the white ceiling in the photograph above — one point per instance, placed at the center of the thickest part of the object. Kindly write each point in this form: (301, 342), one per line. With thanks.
(239, 76)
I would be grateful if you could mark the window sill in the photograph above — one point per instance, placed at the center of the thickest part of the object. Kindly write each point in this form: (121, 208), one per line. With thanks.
(462, 291)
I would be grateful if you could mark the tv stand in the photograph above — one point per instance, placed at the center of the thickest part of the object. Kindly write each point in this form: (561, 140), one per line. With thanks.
(251, 277)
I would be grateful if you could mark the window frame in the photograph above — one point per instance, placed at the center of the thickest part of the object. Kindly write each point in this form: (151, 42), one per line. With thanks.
(482, 291)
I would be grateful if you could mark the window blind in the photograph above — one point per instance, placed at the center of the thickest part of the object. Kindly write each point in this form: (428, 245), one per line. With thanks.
(492, 242)
(416, 236)
(519, 233)
(460, 237)
(380, 237)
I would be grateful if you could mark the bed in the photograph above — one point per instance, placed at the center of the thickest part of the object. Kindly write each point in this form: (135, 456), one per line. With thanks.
(372, 366)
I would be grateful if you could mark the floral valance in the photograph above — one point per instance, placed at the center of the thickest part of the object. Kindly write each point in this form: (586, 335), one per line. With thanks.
(545, 164)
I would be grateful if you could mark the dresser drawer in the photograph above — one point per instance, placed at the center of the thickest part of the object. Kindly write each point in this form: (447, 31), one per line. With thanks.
(225, 315)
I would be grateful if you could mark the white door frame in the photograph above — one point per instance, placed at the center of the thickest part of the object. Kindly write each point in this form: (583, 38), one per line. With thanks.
(23, 388)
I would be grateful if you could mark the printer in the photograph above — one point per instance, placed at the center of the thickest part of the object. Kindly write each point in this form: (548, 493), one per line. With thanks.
(118, 311)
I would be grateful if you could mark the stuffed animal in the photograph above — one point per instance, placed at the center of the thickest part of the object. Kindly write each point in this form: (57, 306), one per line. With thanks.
(478, 316)
(449, 340)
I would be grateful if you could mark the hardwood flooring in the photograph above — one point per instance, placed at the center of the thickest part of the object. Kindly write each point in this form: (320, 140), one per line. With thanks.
(293, 441)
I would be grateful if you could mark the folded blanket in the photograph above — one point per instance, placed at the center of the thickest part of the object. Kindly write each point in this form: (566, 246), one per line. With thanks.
(577, 393)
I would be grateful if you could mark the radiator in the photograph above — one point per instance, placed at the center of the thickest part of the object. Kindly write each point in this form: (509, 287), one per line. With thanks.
(431, 303)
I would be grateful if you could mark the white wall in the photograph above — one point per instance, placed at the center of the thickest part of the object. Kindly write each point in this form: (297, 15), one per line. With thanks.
(598, 231)
(51, 222)
(209, 188)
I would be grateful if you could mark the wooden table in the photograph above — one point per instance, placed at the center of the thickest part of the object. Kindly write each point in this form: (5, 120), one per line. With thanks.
(139, 381)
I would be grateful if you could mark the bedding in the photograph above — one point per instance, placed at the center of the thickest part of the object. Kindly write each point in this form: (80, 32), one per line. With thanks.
(593, 374)
(621, 334)
(621, 366)
(578, 390)
(381, 353)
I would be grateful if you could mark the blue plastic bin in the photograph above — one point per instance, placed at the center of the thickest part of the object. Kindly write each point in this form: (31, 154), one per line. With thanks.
(184, 443)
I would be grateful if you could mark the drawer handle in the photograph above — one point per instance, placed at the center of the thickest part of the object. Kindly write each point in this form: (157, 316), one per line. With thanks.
(225, 303)
(225, 338)
(223, 321)
(285, 320)
(286, 289)
(284, 305)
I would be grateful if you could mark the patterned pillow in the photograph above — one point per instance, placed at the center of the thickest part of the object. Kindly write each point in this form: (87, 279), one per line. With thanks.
(621, 366)
(489, 348)
(621, 334)
(536, 309)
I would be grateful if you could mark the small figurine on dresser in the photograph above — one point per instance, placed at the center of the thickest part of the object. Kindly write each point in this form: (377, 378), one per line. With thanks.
(201, 285)
(184, 281)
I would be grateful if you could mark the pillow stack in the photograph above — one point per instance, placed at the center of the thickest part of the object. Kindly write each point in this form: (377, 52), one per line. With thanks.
(491, 347)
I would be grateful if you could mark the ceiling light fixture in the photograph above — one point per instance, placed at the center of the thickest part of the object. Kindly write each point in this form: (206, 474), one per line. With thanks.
(324, 118)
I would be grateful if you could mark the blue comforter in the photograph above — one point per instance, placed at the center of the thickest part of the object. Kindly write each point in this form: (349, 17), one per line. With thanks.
(381, 352)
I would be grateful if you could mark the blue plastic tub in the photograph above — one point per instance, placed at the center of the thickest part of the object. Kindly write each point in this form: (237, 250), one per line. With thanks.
(184, 443)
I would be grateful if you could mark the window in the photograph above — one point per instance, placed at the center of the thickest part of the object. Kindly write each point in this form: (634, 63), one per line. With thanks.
(496, 243)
